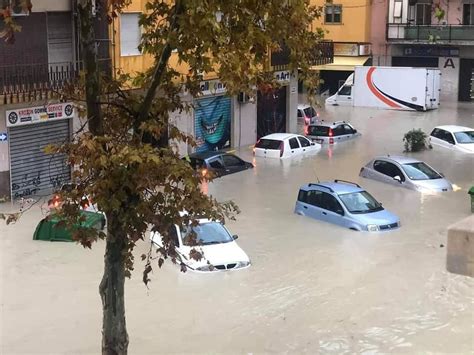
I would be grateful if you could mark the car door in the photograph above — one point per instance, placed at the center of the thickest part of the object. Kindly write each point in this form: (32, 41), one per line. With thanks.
(442, 138)
(313, 203)
(386, 171)
(305, 144)
(349, 132)
(233, 164)
(332, 210)
(216, 165)
(295, 148)
(339, 133)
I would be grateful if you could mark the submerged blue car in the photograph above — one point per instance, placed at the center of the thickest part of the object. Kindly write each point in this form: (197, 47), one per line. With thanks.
(346, 204)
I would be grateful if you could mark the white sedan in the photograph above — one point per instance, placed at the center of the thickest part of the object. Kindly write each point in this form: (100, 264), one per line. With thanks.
(458, 138)
(218, 247)
(284, 145)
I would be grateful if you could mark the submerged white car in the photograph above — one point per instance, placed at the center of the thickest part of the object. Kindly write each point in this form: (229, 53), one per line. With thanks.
(453, 137)
(218, 247)
(284, 145)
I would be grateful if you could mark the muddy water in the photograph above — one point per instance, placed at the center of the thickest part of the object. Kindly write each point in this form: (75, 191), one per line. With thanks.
(313, 287)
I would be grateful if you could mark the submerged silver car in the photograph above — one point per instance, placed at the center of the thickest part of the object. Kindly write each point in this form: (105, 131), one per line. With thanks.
(331, 132)
(406, 172)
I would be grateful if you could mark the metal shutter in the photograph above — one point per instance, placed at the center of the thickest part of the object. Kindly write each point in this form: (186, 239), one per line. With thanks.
(34, 173)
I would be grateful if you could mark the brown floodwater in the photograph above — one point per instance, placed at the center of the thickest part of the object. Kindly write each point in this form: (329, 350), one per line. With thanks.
(312, 287)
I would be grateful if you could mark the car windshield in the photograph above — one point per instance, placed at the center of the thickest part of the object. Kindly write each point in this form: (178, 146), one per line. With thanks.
(420, 171)
(360, 202)
(465, 137)
(268, 144)
(205, 234)
(309, 112)
(318, 131)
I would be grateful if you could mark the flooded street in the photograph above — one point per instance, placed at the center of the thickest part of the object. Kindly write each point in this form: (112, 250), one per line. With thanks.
(312, 287)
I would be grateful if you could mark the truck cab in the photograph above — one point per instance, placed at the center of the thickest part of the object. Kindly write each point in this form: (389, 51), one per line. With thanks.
(343, 96)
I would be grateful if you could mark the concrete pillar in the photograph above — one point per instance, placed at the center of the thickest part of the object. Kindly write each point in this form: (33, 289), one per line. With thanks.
(460, 257)
(292, 106)
(244, 123)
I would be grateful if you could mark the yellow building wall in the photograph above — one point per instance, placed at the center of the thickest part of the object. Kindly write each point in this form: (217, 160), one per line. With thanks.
(132, 64)
(355, 23)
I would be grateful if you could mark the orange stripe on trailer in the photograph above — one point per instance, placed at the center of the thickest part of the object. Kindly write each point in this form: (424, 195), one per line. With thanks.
(376, 92)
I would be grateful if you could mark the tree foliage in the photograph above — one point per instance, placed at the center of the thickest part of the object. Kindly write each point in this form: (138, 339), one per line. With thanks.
(124, 162)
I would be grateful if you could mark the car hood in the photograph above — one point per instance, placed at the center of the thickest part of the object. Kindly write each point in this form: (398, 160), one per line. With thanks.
(467, 148)
(216, 254)
(379, 218)
(433, 185)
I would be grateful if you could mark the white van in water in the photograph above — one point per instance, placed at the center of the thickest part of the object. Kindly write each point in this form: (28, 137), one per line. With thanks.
(284, 145)
(394, 88)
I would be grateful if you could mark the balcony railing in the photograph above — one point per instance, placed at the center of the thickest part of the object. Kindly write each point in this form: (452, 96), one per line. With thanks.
(323, 53)
(430, 33)
(26, 83)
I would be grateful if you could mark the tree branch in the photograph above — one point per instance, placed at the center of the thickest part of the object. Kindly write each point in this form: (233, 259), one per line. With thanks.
(161, 65)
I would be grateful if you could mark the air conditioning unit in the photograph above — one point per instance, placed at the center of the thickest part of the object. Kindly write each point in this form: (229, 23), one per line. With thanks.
(16, 8)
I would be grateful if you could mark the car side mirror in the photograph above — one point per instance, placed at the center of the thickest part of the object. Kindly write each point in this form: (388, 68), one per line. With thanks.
(355, 131)
(235, 237)
(397, 178)
(341, 212)
(312, 143)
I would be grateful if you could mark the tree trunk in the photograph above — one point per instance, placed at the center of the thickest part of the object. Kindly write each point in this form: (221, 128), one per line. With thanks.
(112, 292)
(91, 68)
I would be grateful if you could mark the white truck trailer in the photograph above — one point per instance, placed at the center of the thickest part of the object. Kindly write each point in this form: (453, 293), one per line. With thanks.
(396, 88)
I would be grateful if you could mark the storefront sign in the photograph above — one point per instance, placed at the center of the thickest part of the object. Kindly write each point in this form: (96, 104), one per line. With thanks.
(3, 136)
(348, 49)
(39, 114)
(365, 49)
(212, 87)
(431, 51)
(282, 76)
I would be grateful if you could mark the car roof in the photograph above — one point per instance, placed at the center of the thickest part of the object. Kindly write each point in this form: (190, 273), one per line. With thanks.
(329, 123)
(207, 154)
(303, 106)
(398, 158)
(453, 128)
(280, 136)
(337, 187)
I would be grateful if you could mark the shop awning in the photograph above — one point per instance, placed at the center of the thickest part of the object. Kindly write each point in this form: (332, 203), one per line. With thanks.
(342, 63)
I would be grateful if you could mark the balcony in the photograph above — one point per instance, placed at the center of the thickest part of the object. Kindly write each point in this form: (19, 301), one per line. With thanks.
(323, 53)
(36, 82)
(456, 34)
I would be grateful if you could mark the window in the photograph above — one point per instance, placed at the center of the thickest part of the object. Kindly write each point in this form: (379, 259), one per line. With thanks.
(216, 163)
(314, 198)
(302, 196)
(268, 144)
(333, 13)
(436, 133)
(397, 9)
(318, 131)
(420, 171)
(309, 112)
(304, 142)
(197, 163)
(230, 160)
(360, 202)
(348, 129)
(345, 90)
(468, 14)
(339, 130)
(448, 137)
(294, 143)
(330, 203)
(423, 14)
(443, 135)
(465, 137)
(130, 34)
(173, 235)
(389, 169)
(300, 114)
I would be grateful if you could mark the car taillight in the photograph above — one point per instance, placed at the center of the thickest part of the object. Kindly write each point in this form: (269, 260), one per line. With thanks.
(54, 202)
(282, 148)
(204, 172)
(330, 132)
(331, 140)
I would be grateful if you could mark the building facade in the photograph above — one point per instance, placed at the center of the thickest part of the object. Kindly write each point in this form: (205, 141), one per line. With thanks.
(43, 59)
(218, 121)
(347, 24)
(426, 33)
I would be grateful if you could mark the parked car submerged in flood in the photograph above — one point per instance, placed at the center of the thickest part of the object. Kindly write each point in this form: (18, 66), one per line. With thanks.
(406, 172)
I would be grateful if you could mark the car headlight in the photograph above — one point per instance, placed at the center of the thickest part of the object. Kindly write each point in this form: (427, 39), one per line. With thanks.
(206, 268)
(243, 264)
(372, 228)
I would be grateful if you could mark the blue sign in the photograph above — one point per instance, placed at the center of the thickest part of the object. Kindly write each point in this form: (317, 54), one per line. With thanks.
(3, 136)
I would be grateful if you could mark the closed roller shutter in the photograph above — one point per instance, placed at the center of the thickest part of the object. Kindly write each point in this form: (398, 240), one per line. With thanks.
(34, 173)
